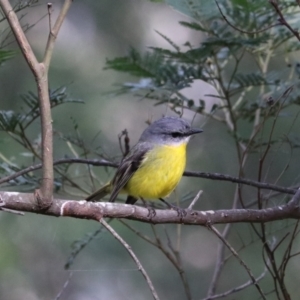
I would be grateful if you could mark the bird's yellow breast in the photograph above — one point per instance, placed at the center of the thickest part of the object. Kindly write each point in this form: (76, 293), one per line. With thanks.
(159, 172)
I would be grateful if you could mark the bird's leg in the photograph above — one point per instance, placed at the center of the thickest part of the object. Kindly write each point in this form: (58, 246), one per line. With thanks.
(131, 200)
(180, 211)
(151, 210)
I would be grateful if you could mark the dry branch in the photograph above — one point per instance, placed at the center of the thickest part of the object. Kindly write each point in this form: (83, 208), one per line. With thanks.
(40, 72)
(95, 211)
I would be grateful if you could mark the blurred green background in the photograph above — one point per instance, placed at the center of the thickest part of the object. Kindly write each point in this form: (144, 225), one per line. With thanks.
(34, 249)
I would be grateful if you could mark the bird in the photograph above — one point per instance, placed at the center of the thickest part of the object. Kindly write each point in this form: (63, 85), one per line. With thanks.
(154, 166)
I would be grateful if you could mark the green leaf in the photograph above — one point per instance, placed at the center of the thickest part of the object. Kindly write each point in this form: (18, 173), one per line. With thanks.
(6, 55)
(135, 64)
(9, 120)
(193, 25)
(194, 8)
(162, 71)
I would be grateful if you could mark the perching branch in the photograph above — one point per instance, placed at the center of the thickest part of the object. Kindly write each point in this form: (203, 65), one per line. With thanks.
(94, 211)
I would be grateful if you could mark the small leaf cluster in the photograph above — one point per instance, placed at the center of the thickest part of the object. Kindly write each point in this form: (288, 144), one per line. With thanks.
(17, 122)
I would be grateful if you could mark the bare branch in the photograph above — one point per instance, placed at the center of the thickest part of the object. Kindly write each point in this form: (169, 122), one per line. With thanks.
(195, 199)
(218, 265)
(49, 7)
(79, 246)
(221, 250)
(106, 163)
(296, 199)
(222, 177)
(238, 288)
(94, 162)
(20, 37)
(239, 259)
(64, 287)
(132, 254)
(54, 32)
(44, 196)
(40, 72)
(172, 258)
(282, 19)
(89, 210)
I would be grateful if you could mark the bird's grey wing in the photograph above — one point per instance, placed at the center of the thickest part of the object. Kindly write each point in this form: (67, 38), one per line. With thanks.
(127, 168)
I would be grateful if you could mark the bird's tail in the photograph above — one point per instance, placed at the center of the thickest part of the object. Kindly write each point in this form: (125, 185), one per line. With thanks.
(96, 196)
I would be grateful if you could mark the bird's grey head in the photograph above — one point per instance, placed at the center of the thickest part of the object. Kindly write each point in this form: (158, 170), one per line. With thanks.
(169, 130)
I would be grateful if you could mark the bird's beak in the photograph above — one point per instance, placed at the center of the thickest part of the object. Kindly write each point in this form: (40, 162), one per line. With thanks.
(194, 131)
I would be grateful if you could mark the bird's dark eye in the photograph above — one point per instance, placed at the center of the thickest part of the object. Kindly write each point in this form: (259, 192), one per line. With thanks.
(176, 134)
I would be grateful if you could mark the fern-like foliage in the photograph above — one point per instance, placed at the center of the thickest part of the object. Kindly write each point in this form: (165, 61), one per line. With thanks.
(164, 73)
(17, 122)
(6, 55)
(9, 120)
(228, 56)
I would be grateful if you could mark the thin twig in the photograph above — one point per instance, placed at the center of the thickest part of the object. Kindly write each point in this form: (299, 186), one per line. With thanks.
(218, 265)
(269, 251)
(139, 234)
(238, 288)
(296, 199)
(15, 212)
(219, 235)
(282, 19)
(287, 254)
(172, 258)
(241, 30)
(65, 286)
(40, 72)
(106, 163)
(49, 7)
(221, 251)
(195, 199)
(254, 183)
(44, 195)
(54, 32)
(94, 162)
(80, 245)
(132, 254)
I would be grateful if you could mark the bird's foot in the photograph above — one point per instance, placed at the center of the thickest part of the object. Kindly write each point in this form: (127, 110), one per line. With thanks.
(181, 212)
(151, 210)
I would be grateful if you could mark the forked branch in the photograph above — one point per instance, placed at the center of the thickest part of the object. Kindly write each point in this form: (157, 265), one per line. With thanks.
(40, 72)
